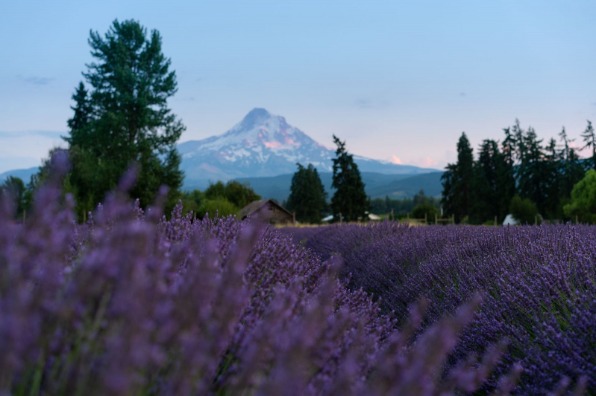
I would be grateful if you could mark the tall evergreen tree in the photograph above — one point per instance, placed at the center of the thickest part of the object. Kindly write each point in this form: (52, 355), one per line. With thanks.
(458, 182)
(14, 189)
(349, 202)
(81, 118)
(124, 117)
(532, 174)
(589, 138)
(508, 147)
(307, 195)
(570, 171)
(551, 189)
(493, 184)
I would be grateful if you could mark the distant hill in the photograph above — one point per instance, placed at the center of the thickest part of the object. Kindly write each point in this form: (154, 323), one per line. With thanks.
(265, 145)
(23, 174)
(408, 186)
(377, 185)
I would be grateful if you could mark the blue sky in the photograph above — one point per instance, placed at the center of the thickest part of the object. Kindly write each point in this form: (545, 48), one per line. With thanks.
(398, 80)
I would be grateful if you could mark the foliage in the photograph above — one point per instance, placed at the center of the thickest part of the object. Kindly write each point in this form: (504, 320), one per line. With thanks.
(349, 202)
(589, 138)
(426, 211)
(523, 166)
(307, 195)
(134, 303)
(457, 182)
(217, 207)
(233, 191)
(493, 184)
(583, 199)
(524, 210)
(13, 190)
(538, 285)
(401, 207)
(191, 201)
(124, 118)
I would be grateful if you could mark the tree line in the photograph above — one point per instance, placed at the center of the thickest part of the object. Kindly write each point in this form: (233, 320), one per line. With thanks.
(121, 121)
(519, 175)
(308, 199)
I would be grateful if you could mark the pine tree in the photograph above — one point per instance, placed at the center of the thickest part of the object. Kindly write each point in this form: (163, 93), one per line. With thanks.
(532, 174)
(124, 117)
(554, 174)
(349, 202)
(14, 189)
(79, 123)
(589, 138)
(458, 182)
(493, 183)
(307, 195)
(569, 171)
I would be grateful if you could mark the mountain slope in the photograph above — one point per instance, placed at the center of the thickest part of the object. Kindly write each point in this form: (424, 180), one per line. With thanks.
(23, 174)
(376, 185)
(260, 145)
(264, 145)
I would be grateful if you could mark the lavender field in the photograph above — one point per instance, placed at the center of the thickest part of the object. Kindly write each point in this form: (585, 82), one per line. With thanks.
(537, 283)
(134, 303)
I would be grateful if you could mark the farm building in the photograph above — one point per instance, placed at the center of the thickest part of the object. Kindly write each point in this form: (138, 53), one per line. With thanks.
(267, 210)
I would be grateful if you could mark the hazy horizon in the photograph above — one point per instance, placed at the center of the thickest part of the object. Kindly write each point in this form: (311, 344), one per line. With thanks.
(398, 81)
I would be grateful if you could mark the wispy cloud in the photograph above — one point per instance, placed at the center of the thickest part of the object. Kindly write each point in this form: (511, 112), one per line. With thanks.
(368, 103)
(36, 80)
(23, 134)
(27, 148)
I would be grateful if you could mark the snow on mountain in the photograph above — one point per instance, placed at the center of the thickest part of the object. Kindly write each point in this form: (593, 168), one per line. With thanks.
(261, 145)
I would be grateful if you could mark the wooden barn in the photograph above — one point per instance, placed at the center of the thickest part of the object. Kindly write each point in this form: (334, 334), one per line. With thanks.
(267, 210)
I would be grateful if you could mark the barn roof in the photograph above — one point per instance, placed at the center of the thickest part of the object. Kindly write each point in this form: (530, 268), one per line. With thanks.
(255, 206)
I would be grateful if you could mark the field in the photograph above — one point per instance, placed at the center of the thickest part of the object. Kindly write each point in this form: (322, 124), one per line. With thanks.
(134, 303)
(537, 285)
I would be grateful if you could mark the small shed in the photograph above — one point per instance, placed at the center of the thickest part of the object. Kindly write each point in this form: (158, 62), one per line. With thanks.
(267, 210)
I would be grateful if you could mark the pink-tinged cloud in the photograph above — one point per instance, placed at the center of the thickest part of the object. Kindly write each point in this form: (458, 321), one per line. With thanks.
(427, 162)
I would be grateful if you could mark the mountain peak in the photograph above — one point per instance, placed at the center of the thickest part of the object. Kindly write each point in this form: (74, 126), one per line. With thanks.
(255, 117)
(263, 144)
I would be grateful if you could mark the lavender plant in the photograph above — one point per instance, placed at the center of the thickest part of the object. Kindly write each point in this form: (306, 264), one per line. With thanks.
(538, 285)
(135, 303)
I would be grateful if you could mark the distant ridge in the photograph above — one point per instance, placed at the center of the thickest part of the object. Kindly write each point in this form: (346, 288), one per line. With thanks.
(23, 174)
(377, 185)
(265, 145)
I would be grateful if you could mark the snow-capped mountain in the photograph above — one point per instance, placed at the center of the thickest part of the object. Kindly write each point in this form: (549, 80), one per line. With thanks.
(263, 144)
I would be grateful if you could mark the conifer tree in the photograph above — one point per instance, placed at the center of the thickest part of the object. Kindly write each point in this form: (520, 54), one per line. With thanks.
(493, 184)
(349, 202)
(458, 182)
(123, 117)
(569, 172)
(532, 174)
(307, 195)
(589, 138)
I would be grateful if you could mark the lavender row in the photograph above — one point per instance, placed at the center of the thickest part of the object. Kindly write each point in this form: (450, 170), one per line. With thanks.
(538, 286)
(134, 303)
